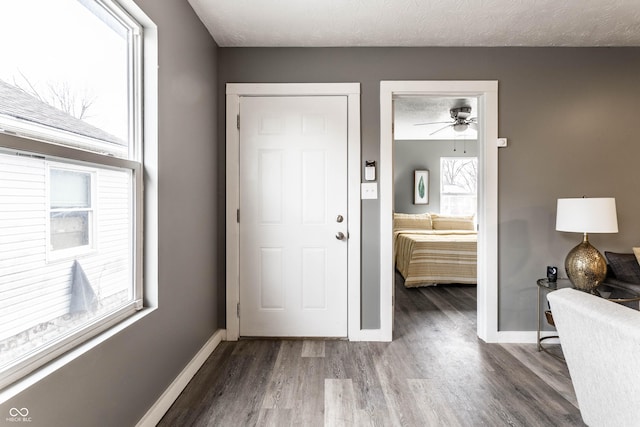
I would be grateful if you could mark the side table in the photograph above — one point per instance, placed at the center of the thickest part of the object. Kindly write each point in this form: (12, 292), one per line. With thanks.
(544, 286)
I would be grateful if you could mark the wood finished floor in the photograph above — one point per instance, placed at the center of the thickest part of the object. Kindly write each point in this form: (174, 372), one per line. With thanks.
(436, 372)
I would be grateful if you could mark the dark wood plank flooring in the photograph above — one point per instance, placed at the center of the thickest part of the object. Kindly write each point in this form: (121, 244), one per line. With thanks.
(436, 372)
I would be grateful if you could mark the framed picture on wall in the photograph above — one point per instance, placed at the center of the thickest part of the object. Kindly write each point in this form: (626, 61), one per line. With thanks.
(421, 187)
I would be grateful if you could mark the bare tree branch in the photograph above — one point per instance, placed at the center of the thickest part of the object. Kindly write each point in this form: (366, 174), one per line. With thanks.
(460, 173)
(59, 95)
(32, 89)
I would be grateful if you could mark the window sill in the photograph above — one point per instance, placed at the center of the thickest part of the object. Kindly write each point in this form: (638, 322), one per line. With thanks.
(43, 372)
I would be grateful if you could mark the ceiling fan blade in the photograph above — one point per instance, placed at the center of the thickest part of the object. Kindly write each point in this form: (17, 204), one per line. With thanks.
(431, 123)
(473, 125)
(441, 129)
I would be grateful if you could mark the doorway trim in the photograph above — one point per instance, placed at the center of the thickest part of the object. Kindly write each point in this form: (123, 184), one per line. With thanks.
(487, 288)
(234, 91)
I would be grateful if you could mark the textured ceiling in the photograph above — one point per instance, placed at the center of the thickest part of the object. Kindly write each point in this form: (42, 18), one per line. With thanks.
(344, 23)
(243, 23)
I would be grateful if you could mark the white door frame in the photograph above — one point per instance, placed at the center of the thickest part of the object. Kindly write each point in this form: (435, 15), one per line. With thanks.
(234, 92)
(487, 93)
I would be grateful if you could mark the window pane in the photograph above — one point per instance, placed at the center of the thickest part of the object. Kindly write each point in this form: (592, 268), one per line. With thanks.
(42, 298)
(70, 189)
(458, 185)
(458, 205)
(65, 66)
(459, 175)
(69, 229)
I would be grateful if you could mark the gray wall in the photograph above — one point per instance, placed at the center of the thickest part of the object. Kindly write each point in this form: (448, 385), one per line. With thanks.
(569, 114)
(411, 155)
(117, 382)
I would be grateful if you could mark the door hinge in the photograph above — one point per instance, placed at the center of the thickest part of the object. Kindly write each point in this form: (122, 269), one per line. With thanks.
(238, 216)
(238, 310)
(238, 121)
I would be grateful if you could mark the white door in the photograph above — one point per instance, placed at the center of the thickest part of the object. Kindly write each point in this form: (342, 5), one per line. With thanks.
(293, 214)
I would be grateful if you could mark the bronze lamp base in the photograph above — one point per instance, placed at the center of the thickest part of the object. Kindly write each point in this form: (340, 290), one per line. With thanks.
(585, 266)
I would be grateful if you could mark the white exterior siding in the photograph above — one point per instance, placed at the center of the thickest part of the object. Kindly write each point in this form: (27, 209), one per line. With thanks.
(35, 287)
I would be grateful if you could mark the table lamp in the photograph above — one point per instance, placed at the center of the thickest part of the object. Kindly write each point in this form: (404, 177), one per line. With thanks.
(585, 265)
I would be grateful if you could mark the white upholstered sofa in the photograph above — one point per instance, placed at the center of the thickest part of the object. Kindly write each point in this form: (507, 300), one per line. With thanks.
(601, 344)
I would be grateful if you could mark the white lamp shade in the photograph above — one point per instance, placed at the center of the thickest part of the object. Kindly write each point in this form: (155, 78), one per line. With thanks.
(587, 215)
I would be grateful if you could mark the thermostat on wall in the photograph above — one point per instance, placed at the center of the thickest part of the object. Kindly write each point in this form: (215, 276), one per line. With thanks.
(370, 170)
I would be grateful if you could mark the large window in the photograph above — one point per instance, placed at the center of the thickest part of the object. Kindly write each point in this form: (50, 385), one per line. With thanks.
(458, 185)
(70, 176)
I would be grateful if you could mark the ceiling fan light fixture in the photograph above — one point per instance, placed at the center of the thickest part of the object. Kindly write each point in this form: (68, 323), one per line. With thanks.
(462, 121)
(460, 127)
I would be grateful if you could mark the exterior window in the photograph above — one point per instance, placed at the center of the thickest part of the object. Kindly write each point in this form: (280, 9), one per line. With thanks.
(71, 176)
(68, 79)
(458, 185)
(71, 209)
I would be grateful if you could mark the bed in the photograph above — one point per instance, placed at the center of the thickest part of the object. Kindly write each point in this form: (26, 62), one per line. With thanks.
(431, 249)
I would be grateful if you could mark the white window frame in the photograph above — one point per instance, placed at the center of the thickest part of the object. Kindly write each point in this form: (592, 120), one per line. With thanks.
(58, 254)
(22, 141)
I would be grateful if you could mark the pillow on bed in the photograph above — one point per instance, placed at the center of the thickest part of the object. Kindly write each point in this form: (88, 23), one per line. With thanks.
(636, 252)
(403, 221)
(450, 222)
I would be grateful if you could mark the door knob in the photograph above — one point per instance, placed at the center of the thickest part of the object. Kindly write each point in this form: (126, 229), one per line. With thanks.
(340, 235)
(340, 218)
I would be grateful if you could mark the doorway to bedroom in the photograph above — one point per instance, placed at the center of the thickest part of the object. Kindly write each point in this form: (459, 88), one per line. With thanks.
(435, 180)
(441, 138)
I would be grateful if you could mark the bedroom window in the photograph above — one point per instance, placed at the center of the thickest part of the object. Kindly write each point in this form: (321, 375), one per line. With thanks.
(458, 185)
(71, 176)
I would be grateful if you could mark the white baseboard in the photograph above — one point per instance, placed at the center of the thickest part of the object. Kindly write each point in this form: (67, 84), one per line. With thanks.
(521, 337)
(162, 405)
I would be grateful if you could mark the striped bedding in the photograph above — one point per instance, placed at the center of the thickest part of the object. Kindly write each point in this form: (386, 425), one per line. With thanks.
(431, 257)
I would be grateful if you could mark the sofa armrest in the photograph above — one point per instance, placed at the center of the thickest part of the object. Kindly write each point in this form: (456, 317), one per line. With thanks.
(601, 342)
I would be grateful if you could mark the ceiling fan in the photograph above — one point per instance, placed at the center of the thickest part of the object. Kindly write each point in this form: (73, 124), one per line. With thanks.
(461, 121)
